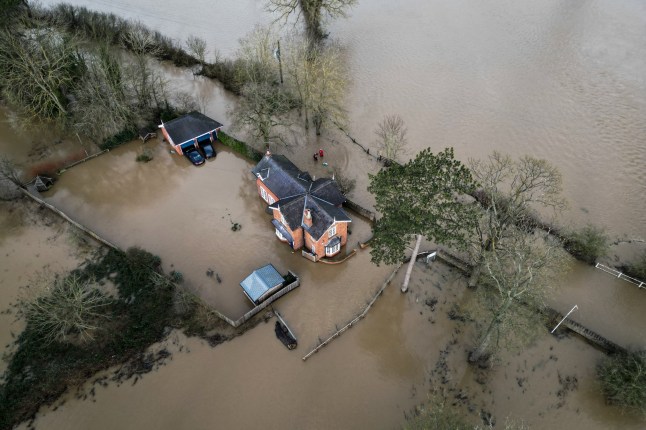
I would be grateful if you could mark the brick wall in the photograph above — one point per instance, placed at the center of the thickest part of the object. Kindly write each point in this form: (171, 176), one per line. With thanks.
(319, 246)
(260, 185)
(297, 234)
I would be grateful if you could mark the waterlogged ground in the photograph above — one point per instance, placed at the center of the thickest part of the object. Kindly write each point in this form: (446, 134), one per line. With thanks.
(370, 377)
(552, 79)
(35, 246)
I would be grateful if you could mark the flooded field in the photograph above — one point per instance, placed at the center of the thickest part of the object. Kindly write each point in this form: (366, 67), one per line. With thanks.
(34, 245)
(551, 79)
(184, 214)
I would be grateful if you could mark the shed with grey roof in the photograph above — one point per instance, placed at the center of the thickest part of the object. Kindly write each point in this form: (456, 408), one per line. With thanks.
(262, 283)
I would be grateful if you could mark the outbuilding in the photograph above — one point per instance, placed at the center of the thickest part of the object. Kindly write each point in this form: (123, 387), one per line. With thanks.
(187, 131)
(262, 283)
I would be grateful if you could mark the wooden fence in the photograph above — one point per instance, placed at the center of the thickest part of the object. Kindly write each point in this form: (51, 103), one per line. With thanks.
(617, 274)
(237, 323)
(357, 318)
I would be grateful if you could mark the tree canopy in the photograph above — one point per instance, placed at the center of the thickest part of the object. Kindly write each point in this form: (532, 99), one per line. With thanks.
(312, 12)
(421, 197)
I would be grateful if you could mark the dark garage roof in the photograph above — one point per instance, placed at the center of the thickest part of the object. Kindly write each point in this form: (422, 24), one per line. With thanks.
(189, 126)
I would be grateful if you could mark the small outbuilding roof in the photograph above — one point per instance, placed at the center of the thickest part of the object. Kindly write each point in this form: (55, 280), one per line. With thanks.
(189, 126)
(261, 282)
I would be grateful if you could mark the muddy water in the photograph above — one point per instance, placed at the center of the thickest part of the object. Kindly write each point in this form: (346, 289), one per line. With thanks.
(185, 214)
(558, 80)
(31, 248)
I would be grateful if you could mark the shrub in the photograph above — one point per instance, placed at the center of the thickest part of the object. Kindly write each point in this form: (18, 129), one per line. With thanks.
(120, 138)
(623, 380)
(638, 269)
(588, 244)
(176, 276)
(240, 147)
(345, 184)
(69, 309)
(145, 156)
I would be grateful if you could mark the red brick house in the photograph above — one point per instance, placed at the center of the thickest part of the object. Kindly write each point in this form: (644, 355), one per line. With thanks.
(307, 212)
(188, 130)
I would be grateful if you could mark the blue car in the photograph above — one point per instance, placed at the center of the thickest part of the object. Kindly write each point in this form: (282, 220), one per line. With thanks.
(194, 156)
(207, 149)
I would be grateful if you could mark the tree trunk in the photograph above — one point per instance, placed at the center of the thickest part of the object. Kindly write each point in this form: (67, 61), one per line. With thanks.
(475, 275)
(481, 350)
(477, 354)
(413, 257)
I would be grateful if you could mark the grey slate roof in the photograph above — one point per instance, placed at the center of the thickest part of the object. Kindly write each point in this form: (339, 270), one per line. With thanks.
(261, 281)
(296, 191)
(281, 176)
(189, 126)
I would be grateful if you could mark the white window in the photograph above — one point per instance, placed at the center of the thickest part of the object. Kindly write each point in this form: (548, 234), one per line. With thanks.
(332, 231)
(331, 250)
(314, 248)
(263, 194)
(282, 219)
(270, 199)
(280, 236)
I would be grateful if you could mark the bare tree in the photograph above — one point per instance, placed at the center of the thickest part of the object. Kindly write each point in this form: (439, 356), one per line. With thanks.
(37, 69)
(517, 278)
(510, 193)
(197, 48)
(260, 110)
(318, 80)
(147, 85)
(69, 308)
(313, 12)
(9, 172)
(101, 103)
(255, 57)
(391, 137)
(10, 179)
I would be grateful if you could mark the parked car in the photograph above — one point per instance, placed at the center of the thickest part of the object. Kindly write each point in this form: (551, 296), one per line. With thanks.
(207, 149)
(194, 156)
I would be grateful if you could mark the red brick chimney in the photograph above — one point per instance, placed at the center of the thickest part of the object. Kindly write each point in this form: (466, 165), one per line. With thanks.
(307, 217)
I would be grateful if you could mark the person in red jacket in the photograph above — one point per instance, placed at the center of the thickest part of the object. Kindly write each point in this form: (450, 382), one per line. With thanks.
(321, 153)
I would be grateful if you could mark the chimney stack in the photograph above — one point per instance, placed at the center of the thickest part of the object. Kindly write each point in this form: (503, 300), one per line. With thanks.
(307, 217)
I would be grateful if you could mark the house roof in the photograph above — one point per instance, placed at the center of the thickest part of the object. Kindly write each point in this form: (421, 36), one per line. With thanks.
(261, 281)
(189, 126)
(297, 191)
(281, 176)
(324, 215)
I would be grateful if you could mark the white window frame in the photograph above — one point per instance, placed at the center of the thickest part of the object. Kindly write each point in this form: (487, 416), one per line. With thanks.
(331, 231)
(263, 194)
(270, 199)
(282, 219)
(331, 250)
(280, 236)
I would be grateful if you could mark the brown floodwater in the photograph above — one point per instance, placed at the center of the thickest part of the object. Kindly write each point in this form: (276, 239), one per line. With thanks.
(31, 248)
(558, 80)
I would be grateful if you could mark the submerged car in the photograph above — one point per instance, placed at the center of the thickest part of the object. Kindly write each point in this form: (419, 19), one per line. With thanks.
(194, 156)
(207, 149)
